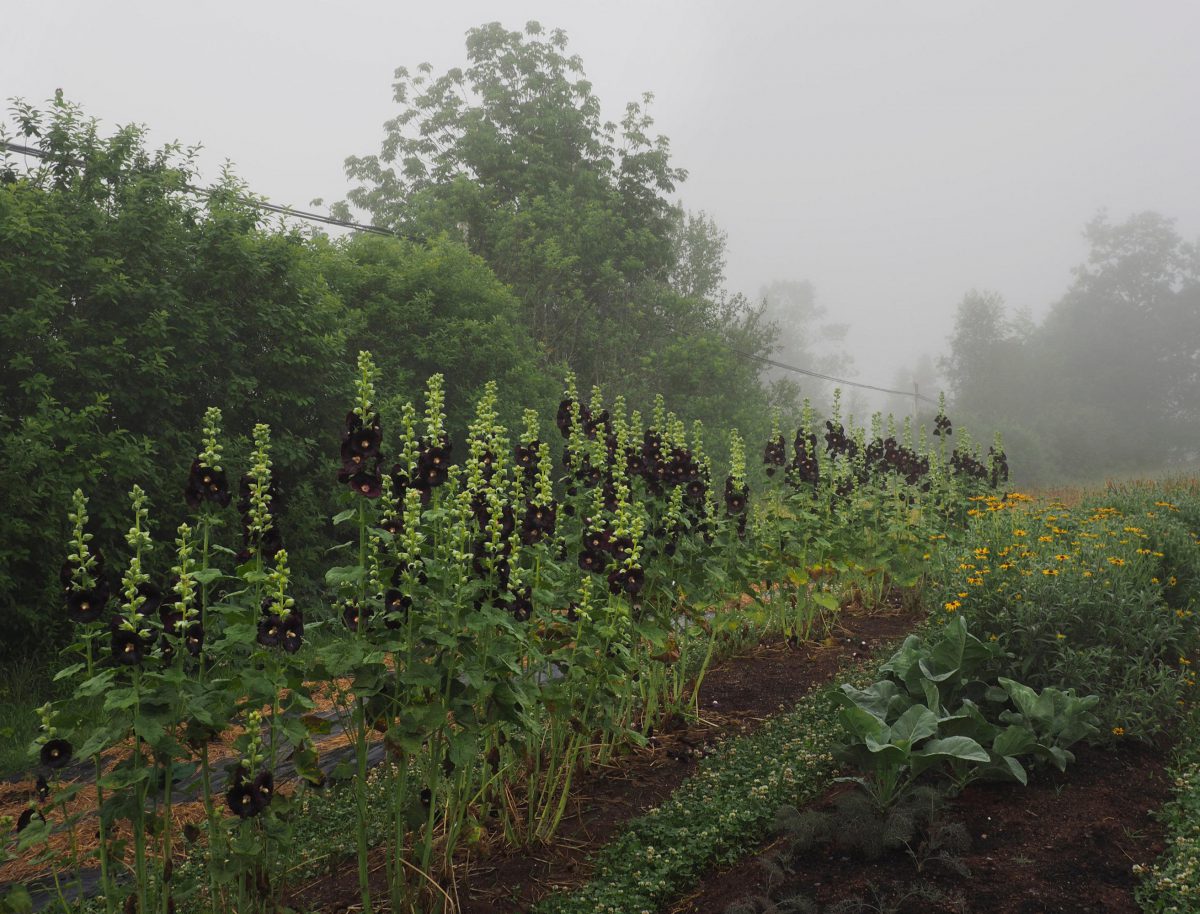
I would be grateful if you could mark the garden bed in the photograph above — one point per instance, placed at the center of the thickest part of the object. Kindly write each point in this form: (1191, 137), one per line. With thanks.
(737, 696)
(1066, 843)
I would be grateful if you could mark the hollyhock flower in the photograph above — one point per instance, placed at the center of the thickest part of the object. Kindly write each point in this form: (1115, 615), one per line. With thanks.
(85, 606)
(627, 580)
(56, 753)
(206, 485)
(293, 631)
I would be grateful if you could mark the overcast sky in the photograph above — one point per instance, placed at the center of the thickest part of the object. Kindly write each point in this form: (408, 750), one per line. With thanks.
(894, 153)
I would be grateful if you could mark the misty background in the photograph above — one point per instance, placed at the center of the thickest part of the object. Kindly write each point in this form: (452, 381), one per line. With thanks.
(879, 167)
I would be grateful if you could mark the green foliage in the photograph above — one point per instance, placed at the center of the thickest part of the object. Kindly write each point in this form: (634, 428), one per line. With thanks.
(130, 304)
(1172, 883)
(430, 308)
(940, 706)
(512, 154)
(1100, 598)
(713, 817)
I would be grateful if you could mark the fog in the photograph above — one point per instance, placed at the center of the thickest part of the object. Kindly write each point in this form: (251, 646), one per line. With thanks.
(894, 156)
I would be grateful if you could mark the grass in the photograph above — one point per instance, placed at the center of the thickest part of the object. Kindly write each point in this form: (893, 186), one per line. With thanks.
(25, 685)
(1172, 884)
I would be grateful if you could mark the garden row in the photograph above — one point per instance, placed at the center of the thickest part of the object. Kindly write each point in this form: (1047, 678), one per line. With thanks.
(1091, 608)
(498, 625)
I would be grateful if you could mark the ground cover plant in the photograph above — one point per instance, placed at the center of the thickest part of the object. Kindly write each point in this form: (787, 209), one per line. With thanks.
(493, 626)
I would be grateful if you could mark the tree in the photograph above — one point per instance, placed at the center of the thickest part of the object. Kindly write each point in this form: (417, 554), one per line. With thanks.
(804, 338)
(512, 155)
(1127, 339)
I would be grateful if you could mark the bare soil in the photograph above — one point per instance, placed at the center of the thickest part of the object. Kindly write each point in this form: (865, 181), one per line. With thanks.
(1066, 843)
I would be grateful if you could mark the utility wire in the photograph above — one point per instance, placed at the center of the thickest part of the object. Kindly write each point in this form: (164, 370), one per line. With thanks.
(377, 230)
(248, 201)
(826, 377)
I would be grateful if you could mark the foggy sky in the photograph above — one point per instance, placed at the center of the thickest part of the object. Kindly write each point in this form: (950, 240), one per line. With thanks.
(894, 153)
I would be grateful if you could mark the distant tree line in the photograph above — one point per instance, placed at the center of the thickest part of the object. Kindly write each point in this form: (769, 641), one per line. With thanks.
(1108, 384)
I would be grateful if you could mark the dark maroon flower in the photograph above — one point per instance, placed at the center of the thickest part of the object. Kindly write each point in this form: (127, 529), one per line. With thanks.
(367, 483)
(525, 455)
(522, 604)
(593, 560)
(392, 525)
(627, 580)
(396, 605)
(539, 522)
(27, 817)
(152, 598)
(293, 631)
(433, 462)
(127, 647)
(735, 498)
(355, 615)
(85, 606)
(264, 786)
(597, 540)
(363, 441)
(243, 797)
(56, 753)
(42, 786)
(206, 485)
(270, 629)
(620, 547)
(193, 639)
(563, 418)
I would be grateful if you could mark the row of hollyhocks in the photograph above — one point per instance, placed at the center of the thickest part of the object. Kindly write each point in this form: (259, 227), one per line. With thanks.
(492, 630)
(844, 460)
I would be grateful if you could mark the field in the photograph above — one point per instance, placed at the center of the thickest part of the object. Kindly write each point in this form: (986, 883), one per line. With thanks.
(579, 667)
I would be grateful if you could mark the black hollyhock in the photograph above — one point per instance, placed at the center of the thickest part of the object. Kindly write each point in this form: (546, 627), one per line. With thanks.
(393, 525)
(775, 454)
(26, 817)
(396, 605)
(525, 455)
(433, 462)
(293, 631)
(206, 485)
(85, 606)
(56, 753)
(539, 522)
(942, 426)
(593, 560)
(193, 639)
(264, 786)
(42, 786)
(620, 547)
(367, 483)
(270, 629)
(627, 580)
(522, 604)
(362, 441)
(152, 598)
(127, 647)
(243, 798)
(355, 615)
(597, 540)
(563, 418)
(735, 498)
